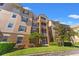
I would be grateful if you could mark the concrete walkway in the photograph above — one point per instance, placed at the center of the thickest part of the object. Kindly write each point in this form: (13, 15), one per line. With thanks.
(64, 53)
(74, 55)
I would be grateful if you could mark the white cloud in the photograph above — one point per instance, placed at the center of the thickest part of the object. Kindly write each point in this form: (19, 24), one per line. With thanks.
(63, 23)
(74, 16)
(56, 20)
(27, 8)
(68, 22)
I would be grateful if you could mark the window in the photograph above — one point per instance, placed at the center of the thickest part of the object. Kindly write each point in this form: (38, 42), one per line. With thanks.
(24, 19)
(22, 28)
(1, 4)
(13, 16)
(10, 25)
(19, 40)
(4, 39)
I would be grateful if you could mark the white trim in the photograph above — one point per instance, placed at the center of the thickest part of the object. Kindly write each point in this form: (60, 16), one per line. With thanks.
(6, 34)
(20, 35)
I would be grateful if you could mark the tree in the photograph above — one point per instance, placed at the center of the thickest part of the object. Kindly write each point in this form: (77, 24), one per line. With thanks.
(66, 34)
(58, 32)
(63, 33)
(1, 35)
(34, 38)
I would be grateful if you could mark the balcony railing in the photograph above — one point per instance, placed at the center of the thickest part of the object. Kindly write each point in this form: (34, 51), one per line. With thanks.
(43, 27)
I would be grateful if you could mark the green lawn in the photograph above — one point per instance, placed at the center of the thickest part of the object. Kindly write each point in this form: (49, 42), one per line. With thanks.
(77, 44)
(39, 50)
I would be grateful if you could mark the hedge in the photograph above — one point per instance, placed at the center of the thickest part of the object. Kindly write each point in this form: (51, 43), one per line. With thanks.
(53, 43)
(6, 47)
(68, 44)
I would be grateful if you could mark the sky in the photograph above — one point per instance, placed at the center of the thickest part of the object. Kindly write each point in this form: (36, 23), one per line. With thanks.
(65, 13)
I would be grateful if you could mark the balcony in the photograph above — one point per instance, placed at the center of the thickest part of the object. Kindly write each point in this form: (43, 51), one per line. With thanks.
(35, 30)
(43, 31)
(35, 25)
(43, 25)
(44, 41)
(43, 21)
(45, 34)
(43, 18)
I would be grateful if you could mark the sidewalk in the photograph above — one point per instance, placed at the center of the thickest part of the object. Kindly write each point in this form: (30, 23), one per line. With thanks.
(74, 55)
(62, 53)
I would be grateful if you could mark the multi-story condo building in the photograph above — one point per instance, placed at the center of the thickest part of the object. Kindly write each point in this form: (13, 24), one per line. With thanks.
(40, 25)
(53, 32)
(42, 21)
(17, 23)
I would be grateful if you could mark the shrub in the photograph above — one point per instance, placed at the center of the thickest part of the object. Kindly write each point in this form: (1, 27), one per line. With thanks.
(43, 45)
(53, 43)
(6, 47)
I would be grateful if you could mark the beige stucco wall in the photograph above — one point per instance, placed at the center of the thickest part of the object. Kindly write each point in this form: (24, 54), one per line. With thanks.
(6, 17)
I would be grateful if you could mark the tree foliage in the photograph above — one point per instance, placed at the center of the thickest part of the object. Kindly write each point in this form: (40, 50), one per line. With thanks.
(35, 37)
(63, 33)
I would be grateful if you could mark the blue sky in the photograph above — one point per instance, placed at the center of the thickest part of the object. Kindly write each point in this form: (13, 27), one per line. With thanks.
(63, 12)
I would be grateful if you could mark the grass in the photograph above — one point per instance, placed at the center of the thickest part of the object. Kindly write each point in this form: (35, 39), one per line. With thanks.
(77, 44)
(39, 50)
